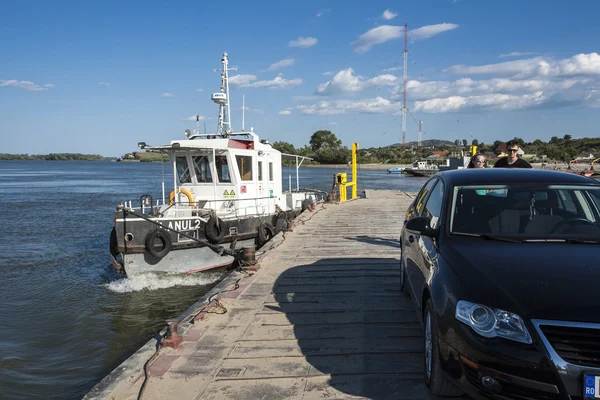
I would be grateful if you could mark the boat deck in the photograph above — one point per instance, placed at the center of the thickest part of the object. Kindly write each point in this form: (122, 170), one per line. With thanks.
(321, 318)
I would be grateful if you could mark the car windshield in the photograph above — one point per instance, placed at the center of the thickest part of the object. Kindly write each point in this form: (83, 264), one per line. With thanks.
(532, 212)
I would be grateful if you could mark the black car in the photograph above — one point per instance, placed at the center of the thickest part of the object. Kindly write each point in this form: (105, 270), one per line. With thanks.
(504, 267)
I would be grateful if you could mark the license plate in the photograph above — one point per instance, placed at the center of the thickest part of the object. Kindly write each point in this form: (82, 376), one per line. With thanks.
(591, 386)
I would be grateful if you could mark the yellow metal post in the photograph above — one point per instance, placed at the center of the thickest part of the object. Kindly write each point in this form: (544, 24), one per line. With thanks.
(354, 177)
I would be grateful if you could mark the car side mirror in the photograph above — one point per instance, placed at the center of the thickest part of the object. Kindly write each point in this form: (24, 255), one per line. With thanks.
(421, 226)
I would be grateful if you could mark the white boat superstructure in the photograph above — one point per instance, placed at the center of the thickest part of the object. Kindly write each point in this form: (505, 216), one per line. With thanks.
(227, 193)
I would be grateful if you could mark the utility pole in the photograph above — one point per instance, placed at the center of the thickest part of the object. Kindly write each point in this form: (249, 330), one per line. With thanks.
(404, 90)
(420, 137)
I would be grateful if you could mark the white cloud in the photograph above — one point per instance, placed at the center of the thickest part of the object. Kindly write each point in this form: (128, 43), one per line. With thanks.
(520, 84)
(323, 12)
(253, 110)
(392, 69)
(27, 85)
(250, 81)
(193, 118)
(516, 54)
(346, 82)
(333, 123)
(387, 15)
(377, 105)
(199, 90)
(167, 94)
(385, 33)
(425, 32)
(285, 112)
(303, 42)
(286, 62)
(241, 80)
(580, 64)
(489, 101)
(103, 83)
(328, 73)
(378, 35)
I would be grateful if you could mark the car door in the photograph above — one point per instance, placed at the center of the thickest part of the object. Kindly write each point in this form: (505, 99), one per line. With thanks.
(410, 254)
(427, 247)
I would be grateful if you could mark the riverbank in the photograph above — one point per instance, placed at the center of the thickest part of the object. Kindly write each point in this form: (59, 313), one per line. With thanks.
(384, 167)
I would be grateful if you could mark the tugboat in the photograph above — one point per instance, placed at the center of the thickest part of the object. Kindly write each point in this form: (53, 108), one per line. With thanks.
(227, 194)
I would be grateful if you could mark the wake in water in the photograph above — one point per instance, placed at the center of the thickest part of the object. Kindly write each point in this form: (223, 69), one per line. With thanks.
(152, 281)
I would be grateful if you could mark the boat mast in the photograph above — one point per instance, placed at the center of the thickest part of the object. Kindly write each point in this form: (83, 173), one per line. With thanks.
(222, 98)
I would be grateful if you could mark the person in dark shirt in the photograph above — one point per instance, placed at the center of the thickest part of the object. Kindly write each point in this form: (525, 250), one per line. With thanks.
(513, 160)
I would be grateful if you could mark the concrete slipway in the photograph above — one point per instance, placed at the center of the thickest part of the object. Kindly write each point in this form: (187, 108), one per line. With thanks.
(321, 317)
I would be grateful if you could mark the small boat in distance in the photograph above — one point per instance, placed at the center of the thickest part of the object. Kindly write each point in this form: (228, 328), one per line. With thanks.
(227, 194)
(395, 170)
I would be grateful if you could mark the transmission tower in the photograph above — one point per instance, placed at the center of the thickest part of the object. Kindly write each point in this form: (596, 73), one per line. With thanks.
(404, 90)
(420, 135)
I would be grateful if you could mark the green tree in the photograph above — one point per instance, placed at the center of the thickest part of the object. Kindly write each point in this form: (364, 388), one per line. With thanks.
(475, 142)
(554, 140)
(285, 147)
(497, 144)
(323, 138)
(464, 142)
(567, 137)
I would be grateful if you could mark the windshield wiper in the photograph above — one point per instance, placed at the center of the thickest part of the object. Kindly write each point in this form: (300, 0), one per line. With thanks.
(576, 241)
(487, 237)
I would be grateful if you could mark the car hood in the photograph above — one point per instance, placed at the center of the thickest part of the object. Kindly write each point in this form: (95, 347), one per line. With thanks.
(535, 280)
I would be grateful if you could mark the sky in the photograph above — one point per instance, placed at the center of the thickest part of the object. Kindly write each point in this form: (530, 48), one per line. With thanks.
(99, 77)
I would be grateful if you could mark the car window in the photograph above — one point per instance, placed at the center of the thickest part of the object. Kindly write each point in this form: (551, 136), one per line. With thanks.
(423, 195)
(537, 211)
(433, 207)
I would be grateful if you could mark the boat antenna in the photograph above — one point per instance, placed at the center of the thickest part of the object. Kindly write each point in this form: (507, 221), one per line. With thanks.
(243, 110)
(222, 98)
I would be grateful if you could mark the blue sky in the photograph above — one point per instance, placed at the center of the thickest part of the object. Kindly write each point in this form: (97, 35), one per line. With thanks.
(98, 77)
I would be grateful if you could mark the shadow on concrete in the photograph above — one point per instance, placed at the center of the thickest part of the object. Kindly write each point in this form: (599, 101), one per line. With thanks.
(375, 240)
(355, 328)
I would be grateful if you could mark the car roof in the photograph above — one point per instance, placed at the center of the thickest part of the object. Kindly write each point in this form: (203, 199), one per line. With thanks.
(500, 176)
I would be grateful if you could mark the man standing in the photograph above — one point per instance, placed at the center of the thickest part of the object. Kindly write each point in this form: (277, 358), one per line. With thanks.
(513, 160)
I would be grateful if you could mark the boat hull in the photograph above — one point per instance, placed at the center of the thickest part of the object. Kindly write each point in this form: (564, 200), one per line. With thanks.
(184, 261)
(421, 172)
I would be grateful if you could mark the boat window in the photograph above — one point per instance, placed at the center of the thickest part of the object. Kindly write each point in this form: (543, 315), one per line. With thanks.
(183, 170)
(271, 171)
(245, 166)
(222, 169)
(202, 166)
(260, 176)
(433, 207)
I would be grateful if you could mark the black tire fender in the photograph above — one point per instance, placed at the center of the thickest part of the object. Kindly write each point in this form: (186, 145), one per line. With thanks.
(265, 233)
(151, 243)
(214, 229)
(305, 204)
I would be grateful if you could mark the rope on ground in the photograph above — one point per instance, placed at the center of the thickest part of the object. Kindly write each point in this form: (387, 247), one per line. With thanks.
(148, 362)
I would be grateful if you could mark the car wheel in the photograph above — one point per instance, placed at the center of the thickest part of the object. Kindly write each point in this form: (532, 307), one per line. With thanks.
(435, 381)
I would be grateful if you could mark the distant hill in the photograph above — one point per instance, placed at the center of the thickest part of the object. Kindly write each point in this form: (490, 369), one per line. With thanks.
(426, 143)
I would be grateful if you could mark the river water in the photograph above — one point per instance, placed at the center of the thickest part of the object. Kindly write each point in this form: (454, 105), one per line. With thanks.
(67, 318)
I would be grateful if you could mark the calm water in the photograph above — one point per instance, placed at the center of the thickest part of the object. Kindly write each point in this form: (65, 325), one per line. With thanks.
(67, 318)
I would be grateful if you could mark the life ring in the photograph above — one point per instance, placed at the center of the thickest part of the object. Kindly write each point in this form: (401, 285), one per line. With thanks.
(214, 229)
(186, 192)
(151, 243)
(265, 233)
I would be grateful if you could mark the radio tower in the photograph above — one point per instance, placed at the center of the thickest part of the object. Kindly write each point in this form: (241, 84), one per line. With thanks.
(404, 89)
(420, 137)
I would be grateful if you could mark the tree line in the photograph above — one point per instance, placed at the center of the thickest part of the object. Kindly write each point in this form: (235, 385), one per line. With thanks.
(325, 148)
(54, 157)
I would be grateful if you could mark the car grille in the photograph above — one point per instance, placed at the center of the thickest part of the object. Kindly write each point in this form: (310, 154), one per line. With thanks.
(579, 346)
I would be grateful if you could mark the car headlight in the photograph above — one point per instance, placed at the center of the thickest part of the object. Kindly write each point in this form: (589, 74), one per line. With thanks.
(490, 322)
